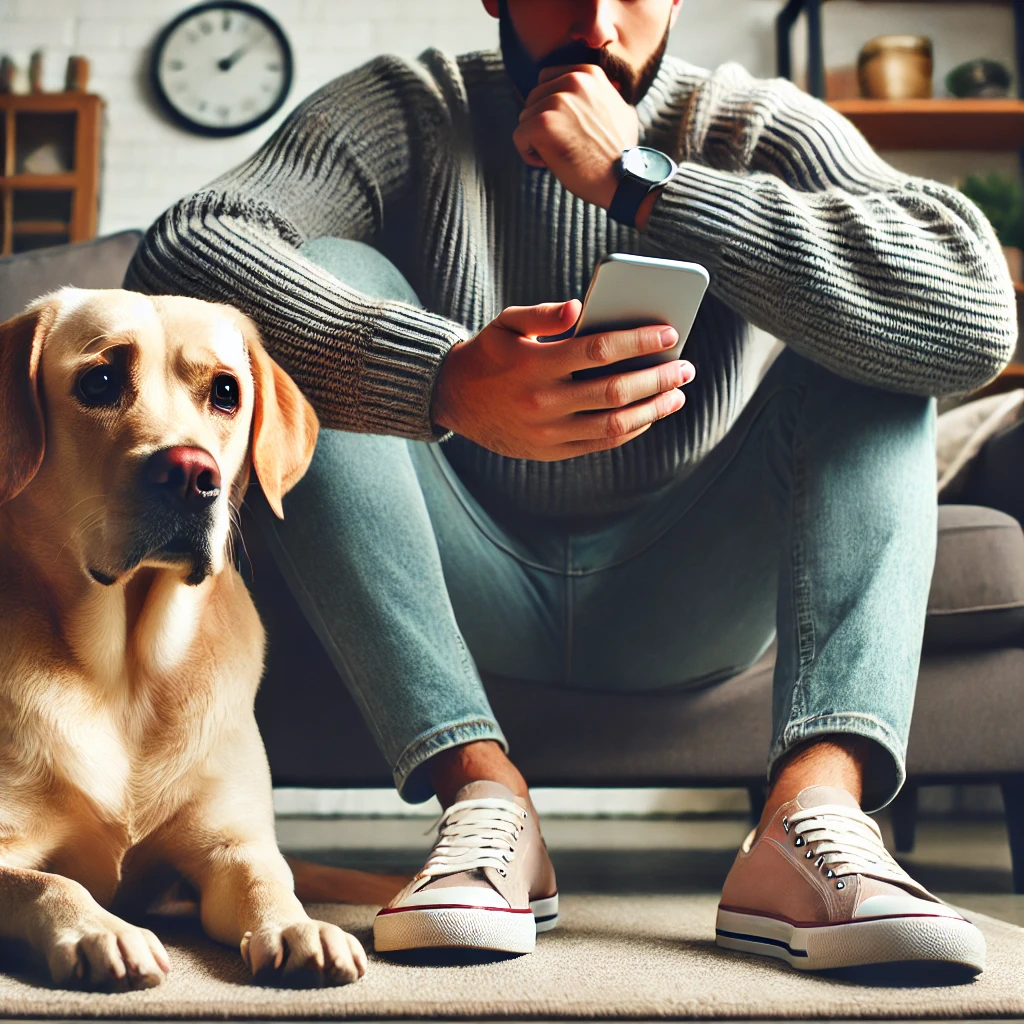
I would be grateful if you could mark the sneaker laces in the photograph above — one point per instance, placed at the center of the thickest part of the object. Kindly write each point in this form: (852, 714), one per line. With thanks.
(476, 834)
(843, 841)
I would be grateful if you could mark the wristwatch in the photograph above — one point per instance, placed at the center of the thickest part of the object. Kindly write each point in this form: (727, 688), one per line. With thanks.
(641, 170)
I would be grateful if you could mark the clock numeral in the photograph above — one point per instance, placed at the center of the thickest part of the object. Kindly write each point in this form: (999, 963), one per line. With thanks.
(202, 105)
(193, 37)
(249, 104)
(176, 65)
(225, 25)
(223, 112)
(205, 27)
(275, 66)
(266, 87)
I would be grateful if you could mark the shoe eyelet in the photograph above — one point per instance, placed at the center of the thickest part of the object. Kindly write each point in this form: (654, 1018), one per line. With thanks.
(799, 841)
(785, 825)
(819, 862)
(840, 884)
(830, 873)
(503, 872)
(809, 854)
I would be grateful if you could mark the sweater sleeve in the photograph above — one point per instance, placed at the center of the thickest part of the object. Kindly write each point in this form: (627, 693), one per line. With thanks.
(889, 280)
(333, 168)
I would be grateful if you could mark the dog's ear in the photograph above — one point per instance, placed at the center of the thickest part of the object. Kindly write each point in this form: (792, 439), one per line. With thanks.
(284, 426)
(22, 431)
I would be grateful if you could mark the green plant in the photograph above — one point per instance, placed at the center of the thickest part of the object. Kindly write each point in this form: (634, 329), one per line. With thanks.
(1001, 198)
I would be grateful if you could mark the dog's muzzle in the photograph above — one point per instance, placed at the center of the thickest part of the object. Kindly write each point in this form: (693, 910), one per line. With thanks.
(181, 486)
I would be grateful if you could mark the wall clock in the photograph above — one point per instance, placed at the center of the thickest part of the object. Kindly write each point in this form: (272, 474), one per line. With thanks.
(221, 68)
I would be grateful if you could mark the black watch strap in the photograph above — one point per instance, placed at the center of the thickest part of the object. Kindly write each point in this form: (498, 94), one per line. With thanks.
(628, 198)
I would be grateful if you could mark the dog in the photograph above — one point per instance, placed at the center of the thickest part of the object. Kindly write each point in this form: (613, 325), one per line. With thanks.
(130, 651)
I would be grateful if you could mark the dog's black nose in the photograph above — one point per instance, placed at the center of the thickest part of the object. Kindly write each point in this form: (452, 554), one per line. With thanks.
(186, 476)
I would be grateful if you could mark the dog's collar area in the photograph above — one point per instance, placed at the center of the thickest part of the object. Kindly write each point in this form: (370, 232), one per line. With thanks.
(102, 577)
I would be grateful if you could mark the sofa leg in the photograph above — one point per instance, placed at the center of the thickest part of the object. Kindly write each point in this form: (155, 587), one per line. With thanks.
(1013, 803)
(903, 811)
(758, 795)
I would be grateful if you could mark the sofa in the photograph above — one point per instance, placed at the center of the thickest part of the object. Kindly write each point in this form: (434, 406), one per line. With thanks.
(968, 718)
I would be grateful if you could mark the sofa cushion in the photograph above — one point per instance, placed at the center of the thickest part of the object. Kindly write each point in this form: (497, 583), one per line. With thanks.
(977, 593)
(99, 263)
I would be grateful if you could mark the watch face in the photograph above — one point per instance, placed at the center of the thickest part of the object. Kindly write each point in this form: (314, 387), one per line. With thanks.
(648, 164)
(222, 68)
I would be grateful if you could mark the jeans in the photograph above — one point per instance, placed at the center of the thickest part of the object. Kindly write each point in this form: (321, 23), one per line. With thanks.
(814, 518)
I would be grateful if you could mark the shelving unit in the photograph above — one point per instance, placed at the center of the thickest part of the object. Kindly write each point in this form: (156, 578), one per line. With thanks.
(40, 207)
(815, 53)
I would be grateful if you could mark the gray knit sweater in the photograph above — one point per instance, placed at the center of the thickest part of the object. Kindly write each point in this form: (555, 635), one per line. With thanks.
(886, 279)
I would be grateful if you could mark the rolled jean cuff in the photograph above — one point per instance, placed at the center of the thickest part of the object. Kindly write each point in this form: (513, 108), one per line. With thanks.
(886, 771)
(410, 776)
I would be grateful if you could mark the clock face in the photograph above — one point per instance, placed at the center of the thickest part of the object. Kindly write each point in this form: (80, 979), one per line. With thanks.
(222, 68)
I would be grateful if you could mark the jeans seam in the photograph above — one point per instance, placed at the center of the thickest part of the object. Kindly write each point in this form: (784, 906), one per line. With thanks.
(803, 618)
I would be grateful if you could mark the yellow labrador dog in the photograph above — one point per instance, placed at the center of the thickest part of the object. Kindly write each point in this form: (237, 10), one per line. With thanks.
(130, 651)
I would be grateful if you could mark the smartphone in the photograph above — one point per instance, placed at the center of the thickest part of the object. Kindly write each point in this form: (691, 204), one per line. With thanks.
(638, 291)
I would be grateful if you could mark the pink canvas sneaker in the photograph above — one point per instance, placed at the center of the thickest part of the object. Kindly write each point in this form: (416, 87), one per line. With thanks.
(488, 883)
(819, 890)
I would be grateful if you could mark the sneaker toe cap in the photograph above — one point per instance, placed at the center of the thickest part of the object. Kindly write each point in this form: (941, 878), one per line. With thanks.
(903, 906)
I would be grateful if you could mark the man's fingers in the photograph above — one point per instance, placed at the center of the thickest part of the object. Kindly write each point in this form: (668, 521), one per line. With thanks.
(617, 425)
(621, 389)
(543, 319)
(589, 350)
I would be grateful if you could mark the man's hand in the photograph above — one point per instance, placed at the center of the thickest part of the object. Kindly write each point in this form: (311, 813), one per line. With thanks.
(577, 124)
(516, 396)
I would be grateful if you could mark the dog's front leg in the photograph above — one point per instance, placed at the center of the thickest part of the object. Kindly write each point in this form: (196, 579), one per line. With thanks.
(83, 944)
(247, 900)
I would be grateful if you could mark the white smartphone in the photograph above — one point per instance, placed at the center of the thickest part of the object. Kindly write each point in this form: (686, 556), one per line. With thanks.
(638, 291)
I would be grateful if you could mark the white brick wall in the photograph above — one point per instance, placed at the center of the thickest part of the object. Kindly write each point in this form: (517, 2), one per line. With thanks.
(148, 162)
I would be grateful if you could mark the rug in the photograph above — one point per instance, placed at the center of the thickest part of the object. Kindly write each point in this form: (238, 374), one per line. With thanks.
(613, 957)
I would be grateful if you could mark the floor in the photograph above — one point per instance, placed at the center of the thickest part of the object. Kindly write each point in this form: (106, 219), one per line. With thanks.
(966, 862)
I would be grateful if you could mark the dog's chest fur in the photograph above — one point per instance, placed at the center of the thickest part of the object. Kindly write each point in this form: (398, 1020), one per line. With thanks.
(98, 753)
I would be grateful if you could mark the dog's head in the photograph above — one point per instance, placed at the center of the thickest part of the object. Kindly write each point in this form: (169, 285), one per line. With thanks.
(128, 425)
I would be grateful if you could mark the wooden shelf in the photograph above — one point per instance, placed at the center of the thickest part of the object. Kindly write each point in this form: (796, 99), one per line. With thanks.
(69, 122)
(968, 124)
(40, 227)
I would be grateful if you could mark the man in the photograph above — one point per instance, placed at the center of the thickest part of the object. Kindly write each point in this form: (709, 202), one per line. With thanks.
(593, 533)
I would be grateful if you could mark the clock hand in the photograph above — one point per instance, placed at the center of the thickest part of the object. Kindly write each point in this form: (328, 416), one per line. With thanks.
(226, 63)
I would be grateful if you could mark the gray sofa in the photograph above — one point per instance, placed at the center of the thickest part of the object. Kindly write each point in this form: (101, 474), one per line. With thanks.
(968, 719)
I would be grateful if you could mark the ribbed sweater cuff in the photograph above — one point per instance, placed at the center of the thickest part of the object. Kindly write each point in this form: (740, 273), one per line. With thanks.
(400, 368)
(695, 215)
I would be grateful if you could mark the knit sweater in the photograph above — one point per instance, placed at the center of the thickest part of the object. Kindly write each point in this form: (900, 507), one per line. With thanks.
(888, 280)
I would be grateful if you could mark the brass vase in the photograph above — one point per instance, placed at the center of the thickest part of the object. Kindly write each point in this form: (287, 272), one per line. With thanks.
(896, 68)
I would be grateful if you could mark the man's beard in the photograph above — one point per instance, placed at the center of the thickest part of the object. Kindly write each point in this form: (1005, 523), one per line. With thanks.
(524, 70)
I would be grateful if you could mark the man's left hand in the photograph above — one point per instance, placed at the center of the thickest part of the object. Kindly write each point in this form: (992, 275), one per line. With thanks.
(577, 124)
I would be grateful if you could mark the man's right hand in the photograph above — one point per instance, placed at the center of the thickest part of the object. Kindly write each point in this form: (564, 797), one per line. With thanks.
(516, 396)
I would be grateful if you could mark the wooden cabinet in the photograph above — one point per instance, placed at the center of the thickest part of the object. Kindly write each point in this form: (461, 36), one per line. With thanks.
(49, 169)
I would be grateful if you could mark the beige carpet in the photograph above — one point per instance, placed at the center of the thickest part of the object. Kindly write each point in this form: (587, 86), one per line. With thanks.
(614, 956)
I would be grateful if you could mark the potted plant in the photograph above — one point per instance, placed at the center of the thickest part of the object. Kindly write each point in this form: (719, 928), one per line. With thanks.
(1001, 198)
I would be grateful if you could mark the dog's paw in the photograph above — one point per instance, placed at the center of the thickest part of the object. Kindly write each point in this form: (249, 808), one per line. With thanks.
(109, 954)
(307, 954)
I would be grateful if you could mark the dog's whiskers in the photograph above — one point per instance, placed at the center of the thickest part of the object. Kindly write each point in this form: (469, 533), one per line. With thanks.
(83, 524)
(79, 502)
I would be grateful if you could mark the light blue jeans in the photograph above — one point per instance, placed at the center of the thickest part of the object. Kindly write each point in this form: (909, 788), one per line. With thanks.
(814, 517)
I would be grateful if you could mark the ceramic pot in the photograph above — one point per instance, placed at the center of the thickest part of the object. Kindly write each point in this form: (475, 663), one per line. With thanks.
(896, 68)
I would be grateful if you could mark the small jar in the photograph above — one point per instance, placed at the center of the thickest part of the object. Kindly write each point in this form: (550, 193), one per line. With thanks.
(896, 68)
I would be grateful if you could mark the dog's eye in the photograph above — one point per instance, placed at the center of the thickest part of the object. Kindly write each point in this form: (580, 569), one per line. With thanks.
(225, 393)
(101, 385)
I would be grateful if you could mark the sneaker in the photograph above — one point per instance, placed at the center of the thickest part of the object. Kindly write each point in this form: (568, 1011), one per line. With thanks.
(819, 890)
(488, 883)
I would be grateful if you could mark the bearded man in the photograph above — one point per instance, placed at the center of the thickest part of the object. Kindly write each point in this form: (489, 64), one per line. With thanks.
(405, 238)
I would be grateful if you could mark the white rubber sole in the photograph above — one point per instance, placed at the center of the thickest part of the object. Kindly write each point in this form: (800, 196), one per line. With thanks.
(461, 927)
(897, 939)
